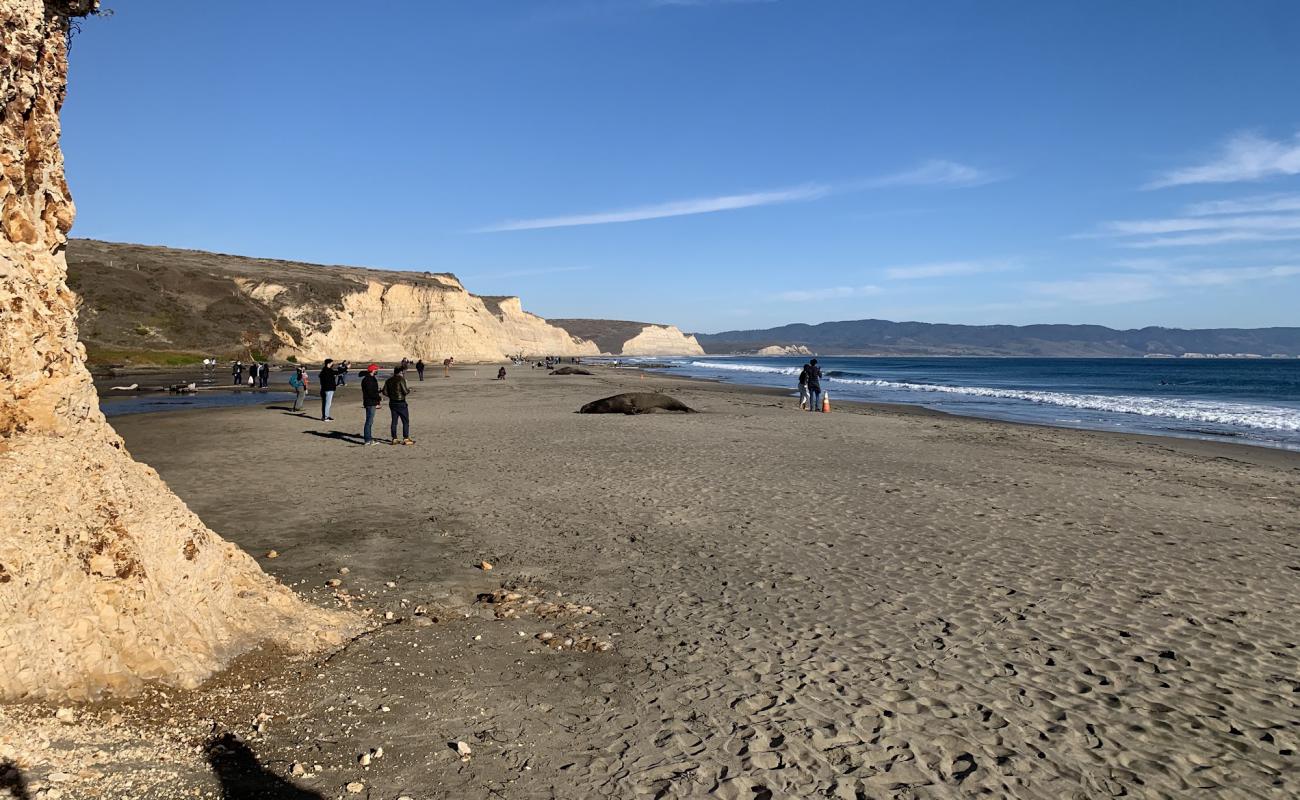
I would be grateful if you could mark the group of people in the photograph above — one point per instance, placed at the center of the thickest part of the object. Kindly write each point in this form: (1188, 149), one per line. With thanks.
(810, 387)
(259, 375)
(395, 390)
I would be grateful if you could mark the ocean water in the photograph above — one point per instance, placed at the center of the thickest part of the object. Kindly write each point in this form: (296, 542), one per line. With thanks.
(1254, 401)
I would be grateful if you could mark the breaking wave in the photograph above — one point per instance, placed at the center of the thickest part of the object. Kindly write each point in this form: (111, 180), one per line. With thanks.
(1216, 412)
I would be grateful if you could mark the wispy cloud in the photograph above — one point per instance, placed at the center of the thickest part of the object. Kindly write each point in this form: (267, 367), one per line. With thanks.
(1112, 288)
(831, 293)
(1244, 157)
(1263, 218)
(945, 269)
(676, 208)
(936, 172)
(524, 273)
(1256, 204)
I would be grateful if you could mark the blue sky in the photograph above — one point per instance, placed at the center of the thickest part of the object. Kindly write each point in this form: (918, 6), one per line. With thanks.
(720, 164)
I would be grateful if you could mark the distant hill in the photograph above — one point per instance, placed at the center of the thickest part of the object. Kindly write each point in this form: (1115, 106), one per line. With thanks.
(882, 337)
(623, 337)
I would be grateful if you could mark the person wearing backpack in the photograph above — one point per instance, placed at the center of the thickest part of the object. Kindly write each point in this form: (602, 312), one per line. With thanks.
(396, 390)
(298, 380)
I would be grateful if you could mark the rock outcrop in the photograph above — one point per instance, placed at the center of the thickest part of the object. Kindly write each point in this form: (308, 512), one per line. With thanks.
(107, 580)
(785, 350)
(625, 338)
(136, 297)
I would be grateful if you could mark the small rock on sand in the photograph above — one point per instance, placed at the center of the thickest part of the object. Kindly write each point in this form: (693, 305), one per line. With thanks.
(484, 565)
(356, 787)
(463, 749)
(272, 553)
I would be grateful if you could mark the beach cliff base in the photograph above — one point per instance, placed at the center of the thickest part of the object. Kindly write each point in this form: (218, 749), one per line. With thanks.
(746, 602)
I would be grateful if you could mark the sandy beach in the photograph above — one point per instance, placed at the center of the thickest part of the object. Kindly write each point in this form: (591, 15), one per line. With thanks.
(758, 603)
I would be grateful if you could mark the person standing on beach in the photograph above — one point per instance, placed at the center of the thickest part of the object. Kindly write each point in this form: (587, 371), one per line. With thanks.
(343, 373)
(814, 386)
(396, 390)
(264, 375)
(329, 381)
(803, 388)
(371, 400)
(237, 372)
(299, 383)
(446, 366)
(419, 368)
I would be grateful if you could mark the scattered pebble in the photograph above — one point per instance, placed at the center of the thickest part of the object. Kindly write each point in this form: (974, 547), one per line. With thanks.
(356, 787)
(272, 553)
(484, 565)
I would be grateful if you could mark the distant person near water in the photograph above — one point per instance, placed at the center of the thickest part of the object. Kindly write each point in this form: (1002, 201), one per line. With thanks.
(501, 374)
(237, 372)
(814, 386)
(446, 366)
(264, 375)
(803, 389)
(329, 382)
(298, 380)
(396, 390)
(343, 373)
(419, 368)
(371, 400)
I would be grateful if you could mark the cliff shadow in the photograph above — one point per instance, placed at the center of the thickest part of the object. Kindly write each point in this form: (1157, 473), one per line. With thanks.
(13, 782)
(243, 777)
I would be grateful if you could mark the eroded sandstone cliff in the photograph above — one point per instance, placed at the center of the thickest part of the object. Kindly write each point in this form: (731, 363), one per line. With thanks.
(138, 297)
(107, 580)
(626, 338)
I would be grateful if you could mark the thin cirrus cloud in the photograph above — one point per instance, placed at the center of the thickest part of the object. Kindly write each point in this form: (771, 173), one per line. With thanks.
(1262, 218)
(1116, 288)
(1244, 157)
(945, 269)
(830, 293)
(935, 173)
(676, 208)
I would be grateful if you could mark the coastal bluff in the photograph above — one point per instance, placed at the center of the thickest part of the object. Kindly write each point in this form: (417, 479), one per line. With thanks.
(107, 580)
(136, 300)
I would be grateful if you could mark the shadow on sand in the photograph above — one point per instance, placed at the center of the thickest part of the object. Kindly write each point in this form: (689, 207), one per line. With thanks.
(13, 782)
(350, 438)
(242, 777)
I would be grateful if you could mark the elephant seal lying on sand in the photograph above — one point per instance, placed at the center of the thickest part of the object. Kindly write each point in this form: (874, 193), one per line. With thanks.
(635, 403)
(569, 371)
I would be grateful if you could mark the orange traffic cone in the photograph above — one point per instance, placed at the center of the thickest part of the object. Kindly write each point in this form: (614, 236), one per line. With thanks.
(826, 402)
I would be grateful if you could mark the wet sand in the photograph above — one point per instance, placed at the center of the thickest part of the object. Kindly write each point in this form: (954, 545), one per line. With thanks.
(876, 603)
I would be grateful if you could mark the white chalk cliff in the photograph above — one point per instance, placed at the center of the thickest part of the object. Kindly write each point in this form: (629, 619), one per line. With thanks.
(430, 318)
(661, 340)
(107, 580)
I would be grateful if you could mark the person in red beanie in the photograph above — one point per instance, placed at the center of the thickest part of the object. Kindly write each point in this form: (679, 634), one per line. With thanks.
(371, 399)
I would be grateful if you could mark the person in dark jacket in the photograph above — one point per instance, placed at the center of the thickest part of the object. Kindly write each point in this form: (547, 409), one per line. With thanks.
(264, 375)
(803, 388)
(237, 372)
(814, 386)
(329, 382)
(371, 400)
(396, 390)
(343, 373)
(419, 368)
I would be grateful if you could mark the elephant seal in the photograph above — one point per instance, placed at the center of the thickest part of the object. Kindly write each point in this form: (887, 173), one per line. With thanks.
(569, 371)
(635, 403)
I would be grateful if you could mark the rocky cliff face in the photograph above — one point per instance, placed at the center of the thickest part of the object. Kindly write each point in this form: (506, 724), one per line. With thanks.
(625, 338)
(662, 340)
(135, 297)
(107, 580)
(392, 320)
